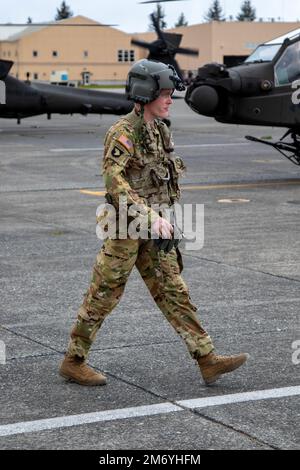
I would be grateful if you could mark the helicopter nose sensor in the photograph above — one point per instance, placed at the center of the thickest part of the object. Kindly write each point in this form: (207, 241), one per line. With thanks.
(204, 100)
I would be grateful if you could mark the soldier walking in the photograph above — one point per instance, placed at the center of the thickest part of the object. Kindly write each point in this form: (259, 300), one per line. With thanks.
(139, 164)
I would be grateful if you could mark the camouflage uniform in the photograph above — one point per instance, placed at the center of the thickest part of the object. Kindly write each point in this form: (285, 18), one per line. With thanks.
(139, 163)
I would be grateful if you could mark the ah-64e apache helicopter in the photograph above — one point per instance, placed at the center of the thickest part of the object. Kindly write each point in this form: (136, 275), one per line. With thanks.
(261, 91)
(25, 99)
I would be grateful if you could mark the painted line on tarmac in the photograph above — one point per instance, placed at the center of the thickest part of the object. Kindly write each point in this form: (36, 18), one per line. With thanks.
(206, 187)
(93, 149)
(92, 193)
(148, 410)
(83, 149)
(240, 397)
(86, 418)
(239, 185)
(211, 145)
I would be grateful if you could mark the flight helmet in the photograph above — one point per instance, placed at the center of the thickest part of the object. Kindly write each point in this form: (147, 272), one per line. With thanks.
(147, 78)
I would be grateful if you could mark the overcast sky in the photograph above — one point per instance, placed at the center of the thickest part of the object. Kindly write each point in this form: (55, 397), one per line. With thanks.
(130, 16)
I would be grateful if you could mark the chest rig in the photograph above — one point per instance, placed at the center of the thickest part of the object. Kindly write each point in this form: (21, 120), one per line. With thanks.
(154, 170)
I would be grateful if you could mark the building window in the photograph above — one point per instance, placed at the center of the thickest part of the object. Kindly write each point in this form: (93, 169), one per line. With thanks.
(8, 54)
(4, 53)
(85, 53)
(125, 55)
(35, 76)
(54, 53)
(35, 53)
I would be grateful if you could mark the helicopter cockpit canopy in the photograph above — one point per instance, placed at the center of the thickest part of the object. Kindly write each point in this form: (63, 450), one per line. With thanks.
(267, 51)
(263, 53)
(287, 68)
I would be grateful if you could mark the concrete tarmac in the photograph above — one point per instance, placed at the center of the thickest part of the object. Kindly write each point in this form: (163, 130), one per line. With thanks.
(245, 281)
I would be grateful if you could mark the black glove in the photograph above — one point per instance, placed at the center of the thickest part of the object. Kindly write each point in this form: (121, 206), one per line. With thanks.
(167, 244)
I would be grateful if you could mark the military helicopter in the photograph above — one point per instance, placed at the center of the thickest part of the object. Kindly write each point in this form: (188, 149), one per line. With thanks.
(261, 91)
(25, 99)
(166, 46)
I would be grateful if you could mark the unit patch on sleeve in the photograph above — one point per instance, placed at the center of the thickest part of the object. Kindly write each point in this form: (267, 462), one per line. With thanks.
(116, 152)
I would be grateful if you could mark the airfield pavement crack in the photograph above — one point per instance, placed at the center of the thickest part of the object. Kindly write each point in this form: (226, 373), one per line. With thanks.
(223, 263)
(20, 335)
(56, 351)
(229, 426)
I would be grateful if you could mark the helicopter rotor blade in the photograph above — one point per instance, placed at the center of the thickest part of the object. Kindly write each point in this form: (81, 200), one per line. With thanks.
(187, 51)
(144, 44)
(161, 1)
(157, 27)
(172, 40)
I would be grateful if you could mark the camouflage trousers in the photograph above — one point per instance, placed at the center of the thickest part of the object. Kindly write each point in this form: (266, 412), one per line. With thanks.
(160, 272)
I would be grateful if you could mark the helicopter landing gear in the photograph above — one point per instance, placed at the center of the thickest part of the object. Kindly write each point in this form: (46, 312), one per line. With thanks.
(293, 148)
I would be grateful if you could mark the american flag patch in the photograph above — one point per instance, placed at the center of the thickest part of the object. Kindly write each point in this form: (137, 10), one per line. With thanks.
(125, 142)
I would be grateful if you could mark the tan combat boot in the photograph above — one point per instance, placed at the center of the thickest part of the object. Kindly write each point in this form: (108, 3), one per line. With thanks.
(213, 366)
(75, 369)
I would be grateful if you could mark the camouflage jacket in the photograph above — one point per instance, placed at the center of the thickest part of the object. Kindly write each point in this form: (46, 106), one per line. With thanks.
(139, 163)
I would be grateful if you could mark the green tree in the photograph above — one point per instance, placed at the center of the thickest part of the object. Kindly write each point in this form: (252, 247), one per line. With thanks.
(247, 13)
(181, 21)
(63, 12)
(159, 15)
(215, 12)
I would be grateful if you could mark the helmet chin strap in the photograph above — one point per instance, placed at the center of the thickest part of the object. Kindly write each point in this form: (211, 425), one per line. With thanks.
(141, 113)
(140, 110)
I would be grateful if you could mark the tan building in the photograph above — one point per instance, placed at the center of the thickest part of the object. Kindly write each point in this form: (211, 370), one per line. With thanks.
(102, 52)
(105, 53)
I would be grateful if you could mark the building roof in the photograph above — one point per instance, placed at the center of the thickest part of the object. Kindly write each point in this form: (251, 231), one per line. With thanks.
(13, 33)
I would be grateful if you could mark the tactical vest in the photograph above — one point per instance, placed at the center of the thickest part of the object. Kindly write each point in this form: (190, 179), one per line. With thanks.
(153, 171)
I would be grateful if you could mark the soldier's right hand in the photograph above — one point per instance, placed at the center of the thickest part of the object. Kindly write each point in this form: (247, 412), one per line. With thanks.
(162, 228)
